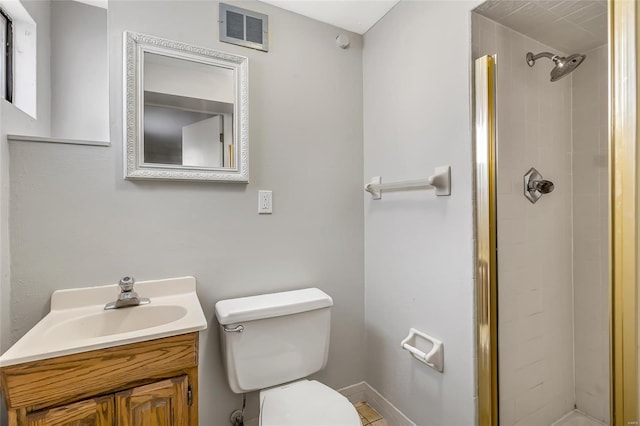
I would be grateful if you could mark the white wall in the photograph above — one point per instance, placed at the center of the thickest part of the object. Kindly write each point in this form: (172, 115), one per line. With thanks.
(75, 222)
(193, 80)
(418, 248)
(590, 232)
(79, 71)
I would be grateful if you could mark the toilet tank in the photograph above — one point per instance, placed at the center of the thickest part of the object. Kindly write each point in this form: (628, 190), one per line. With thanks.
(275, 338)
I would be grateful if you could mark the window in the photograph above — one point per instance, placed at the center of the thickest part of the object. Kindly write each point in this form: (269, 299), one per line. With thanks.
(6, 56)
(18, 49)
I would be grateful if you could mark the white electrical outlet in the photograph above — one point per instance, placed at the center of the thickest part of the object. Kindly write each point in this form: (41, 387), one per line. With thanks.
(265, 205)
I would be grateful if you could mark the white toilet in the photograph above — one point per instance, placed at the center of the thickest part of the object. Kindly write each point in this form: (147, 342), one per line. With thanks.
(272, 341)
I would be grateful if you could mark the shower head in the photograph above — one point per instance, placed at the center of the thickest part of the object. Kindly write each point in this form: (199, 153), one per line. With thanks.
(563, 66)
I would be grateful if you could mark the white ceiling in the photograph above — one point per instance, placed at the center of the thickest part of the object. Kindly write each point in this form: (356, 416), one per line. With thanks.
(571, 26)
(352, 15)
(567, 25)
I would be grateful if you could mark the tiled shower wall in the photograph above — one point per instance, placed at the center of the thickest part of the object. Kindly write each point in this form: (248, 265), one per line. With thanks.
(590, 234)
(535, 292)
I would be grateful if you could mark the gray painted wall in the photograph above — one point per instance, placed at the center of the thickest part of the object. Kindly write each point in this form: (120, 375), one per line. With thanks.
(75, 222)
(13, 120)
(419, 248)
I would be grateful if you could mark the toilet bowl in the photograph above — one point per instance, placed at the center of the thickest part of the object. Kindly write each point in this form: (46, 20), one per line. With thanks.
(308, 403)
(272, 341)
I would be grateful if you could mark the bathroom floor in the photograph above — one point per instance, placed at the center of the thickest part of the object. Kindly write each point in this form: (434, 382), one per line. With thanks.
(369, 416)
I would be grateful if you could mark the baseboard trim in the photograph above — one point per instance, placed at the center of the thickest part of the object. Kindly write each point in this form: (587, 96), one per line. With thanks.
(355, 393)
(363, 392)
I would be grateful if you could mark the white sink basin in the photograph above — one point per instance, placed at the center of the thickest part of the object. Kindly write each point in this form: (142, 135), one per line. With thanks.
(78, 322)
(116, 321)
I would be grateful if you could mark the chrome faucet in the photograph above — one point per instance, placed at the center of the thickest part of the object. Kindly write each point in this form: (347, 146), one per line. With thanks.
(127, 296)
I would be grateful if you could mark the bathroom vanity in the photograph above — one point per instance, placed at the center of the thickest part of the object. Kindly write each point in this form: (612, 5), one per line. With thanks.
(83, 364)
(153, 382)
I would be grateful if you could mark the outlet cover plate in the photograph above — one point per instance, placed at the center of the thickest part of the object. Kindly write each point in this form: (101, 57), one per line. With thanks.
(265, 202)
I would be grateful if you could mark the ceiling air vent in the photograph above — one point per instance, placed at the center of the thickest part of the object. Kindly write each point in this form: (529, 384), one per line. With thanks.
(244, 27)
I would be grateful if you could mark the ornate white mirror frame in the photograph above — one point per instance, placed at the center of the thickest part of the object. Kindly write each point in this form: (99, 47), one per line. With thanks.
(135, 47)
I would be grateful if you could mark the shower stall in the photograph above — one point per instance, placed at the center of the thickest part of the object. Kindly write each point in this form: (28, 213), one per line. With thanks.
(548, 212)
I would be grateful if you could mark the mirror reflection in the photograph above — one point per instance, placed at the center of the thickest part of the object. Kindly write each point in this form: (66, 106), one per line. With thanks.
(188, 113)
(79, 70)
(57, 62)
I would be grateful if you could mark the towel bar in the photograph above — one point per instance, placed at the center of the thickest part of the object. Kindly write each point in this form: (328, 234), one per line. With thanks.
(440, 182)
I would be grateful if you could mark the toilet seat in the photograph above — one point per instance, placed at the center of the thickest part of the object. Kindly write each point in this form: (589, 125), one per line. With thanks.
(308, 403)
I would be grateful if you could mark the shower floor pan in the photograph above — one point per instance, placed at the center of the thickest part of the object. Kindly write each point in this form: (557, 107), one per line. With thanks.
(577, 418)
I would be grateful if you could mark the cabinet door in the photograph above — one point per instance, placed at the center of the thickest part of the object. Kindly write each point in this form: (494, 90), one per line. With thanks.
(92, 412)
(163, 403)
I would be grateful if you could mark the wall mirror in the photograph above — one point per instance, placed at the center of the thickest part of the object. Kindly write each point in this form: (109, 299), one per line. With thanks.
(186, 112)
(59, 59)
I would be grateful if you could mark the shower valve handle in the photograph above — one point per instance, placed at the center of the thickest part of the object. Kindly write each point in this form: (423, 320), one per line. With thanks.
(535, 185)
(542, 186)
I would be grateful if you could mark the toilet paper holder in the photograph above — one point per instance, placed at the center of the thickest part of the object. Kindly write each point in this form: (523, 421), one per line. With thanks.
(413, 343)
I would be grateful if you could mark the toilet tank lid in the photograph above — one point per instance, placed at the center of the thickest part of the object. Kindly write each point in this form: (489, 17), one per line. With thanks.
(251, 308)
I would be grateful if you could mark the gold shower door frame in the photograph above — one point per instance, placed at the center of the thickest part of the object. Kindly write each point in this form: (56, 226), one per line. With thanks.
(485, 215)
(623, 182)
(624, 244)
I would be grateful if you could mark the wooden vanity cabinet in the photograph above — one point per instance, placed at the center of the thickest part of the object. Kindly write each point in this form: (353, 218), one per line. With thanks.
(97, 411)
(151, 383)
(161, 403)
